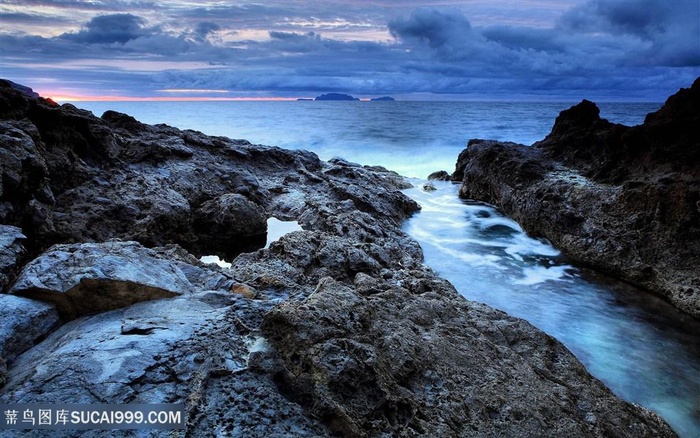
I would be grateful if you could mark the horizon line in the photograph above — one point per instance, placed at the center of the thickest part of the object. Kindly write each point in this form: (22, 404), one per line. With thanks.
(62, 98)
(69, 98)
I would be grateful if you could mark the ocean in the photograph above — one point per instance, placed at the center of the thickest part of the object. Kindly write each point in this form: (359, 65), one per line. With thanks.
(640, 347)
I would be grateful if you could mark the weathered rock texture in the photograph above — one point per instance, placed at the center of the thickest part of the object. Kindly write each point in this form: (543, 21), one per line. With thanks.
(338, 329)
(95, 277)
(404, 358)
(11, 252)
(624, 200)
(24, 322)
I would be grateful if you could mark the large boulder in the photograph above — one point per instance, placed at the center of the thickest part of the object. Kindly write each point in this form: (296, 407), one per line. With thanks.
(88, 278)
(623, 200)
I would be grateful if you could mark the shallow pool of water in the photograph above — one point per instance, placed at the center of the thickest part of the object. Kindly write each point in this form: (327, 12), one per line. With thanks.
(642, 348)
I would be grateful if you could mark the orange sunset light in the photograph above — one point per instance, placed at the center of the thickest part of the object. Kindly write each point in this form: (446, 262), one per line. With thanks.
(70, 98)
(60, 96)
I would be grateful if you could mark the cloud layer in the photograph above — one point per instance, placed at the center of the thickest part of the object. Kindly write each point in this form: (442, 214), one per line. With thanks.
(617, 50)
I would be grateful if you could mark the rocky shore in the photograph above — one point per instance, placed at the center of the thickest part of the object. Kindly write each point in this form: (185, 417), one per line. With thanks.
(336, 330)
(623, 200)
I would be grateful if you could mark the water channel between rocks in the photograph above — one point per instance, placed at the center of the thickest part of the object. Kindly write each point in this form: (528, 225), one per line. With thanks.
(643, 349)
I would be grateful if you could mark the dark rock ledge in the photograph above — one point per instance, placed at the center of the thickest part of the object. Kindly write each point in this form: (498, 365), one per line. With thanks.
(623, 200)
(348, 333)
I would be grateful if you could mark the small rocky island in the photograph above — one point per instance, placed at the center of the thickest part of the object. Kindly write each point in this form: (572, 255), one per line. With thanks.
(623, 200)
(347, 97)
(335, 96)
(336, 330)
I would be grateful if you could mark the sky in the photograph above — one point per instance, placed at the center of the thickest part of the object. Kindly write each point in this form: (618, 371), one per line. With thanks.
(566, 50)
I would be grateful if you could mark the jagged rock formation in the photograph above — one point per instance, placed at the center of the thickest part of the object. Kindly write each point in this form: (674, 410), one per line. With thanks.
(338, 329)
(624, 200)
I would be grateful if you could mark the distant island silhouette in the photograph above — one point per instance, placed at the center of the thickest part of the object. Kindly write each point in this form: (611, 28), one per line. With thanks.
(335, 96)
(347, 97)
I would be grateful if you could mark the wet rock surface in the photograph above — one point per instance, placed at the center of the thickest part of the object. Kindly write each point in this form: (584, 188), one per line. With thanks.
(11, 252)
(25, 322)
(624, 200)
(338, 329)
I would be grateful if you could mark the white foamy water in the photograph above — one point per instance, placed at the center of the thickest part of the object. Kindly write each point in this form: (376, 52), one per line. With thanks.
(644, 350)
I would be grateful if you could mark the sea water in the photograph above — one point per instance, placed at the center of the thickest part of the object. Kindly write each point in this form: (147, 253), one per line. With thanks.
(639, 346)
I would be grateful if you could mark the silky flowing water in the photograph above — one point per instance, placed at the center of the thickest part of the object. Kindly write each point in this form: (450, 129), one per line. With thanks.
(638, 345)
(644, 350)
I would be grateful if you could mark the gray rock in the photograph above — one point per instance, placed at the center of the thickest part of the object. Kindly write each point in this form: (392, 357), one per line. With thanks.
(440, 175)
(428, 187)
(234, 214)
(87, 278)
(22, 89)
(194, 349)
(11, 250)
(425, 362)
(24, 323)
(114, 350)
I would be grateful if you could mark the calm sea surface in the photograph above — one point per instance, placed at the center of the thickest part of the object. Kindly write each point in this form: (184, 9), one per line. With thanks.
(643, 349)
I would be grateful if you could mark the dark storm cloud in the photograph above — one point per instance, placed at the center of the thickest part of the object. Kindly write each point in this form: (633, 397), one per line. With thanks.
(609, 48)
(205, 28)
(517, 38)
(106, 29)
(450, 38)
(642, 18)
(292, 42)
(202, 31)
(434, 27)
(607, 34)
(670, 28)
(107, 37)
